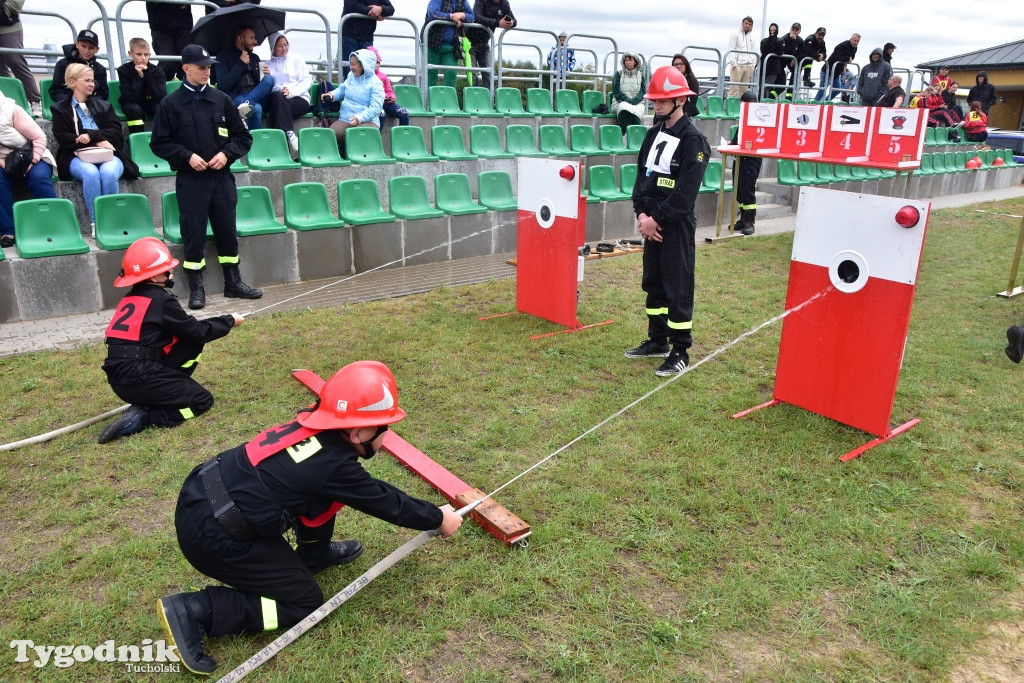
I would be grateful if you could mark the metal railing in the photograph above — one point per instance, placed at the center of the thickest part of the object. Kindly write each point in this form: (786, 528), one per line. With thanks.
(749, 84)
(514, 70)
(459, 67)
(343, 58)
(539, 71)
(58, 53)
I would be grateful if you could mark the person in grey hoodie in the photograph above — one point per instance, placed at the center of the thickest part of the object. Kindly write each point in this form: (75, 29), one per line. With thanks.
(874, 78)
(983, 92)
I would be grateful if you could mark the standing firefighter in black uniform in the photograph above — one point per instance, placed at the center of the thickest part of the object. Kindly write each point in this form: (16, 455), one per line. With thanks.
(200, 133)
(745, 171)
(233, 510)
(153, 345)
(672, 160)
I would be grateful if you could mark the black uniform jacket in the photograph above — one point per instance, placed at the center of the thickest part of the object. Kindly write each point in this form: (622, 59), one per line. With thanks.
(108, 128)
(135, 89)
(150, 316)
(305, 482)
(670, 168)
(184, 126)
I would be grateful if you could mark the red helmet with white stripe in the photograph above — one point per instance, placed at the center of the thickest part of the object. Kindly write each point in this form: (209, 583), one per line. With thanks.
(361, 394)
(145, 258)
(666, 84)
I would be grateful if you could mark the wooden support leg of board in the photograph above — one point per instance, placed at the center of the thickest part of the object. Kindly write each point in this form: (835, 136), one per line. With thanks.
(492, 516)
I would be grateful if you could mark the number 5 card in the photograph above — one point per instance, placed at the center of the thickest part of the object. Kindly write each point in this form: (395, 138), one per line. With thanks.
(899, 137)
(847, 133)
(802, 134)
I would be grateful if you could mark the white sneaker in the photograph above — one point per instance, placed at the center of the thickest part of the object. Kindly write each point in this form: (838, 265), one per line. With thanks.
(293, 142)
(92, 230)
(37, 109)
(244, 109)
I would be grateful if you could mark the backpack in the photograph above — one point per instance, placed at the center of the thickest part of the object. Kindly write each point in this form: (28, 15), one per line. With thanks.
(321, 110)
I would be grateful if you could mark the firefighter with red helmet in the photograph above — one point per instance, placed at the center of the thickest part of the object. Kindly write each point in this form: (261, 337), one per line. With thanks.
(153, 345)
(670, 165)
(233, 510)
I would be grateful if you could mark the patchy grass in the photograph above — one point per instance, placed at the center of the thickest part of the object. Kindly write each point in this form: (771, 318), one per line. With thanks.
(673, 543)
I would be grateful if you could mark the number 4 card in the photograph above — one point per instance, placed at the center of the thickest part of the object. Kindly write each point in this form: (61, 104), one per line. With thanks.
(846, 135)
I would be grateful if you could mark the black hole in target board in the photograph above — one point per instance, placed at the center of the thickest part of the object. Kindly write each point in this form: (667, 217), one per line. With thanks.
(545, 213)
(848, 272)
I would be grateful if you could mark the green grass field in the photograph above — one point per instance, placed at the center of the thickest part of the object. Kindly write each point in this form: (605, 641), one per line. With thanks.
(675, 543)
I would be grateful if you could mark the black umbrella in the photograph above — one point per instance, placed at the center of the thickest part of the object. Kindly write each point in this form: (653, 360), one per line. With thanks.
(216, 31)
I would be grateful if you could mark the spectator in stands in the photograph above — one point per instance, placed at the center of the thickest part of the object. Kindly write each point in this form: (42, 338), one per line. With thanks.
(85, 121)
(887, 53)
(171, 28)
(939, 115)
(774, 71)
(240, 78)
(847, 81)
(361, 95)
(976, 126)
(949, 96)
(82, 51)
(143, 87)
(793, 46)
(894, 96)
(391, 106)
(741, 63)
(493, 14)
(815, 48)
(842, 54)
(628, 89)
(444, 43)
(229, 3)
(942, 79)
(357, 34)
(16, 130)
(982, 92)
(683, 64)
(13, 37)
(290, 97)
(873, 78)
(561, 59)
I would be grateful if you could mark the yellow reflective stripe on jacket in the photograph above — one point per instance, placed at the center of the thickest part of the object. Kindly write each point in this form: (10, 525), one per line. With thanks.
(688, 325)
(747, 206)
(186, 413)
(269, 614)
(230, 260)
(193, 265)
(657, 311)
(136, 122)
(192, 362)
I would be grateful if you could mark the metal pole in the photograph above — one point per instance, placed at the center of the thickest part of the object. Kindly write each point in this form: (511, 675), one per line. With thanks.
(1010, 289)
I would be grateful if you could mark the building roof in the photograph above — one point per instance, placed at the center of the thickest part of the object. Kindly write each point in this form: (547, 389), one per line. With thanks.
(1008, 56)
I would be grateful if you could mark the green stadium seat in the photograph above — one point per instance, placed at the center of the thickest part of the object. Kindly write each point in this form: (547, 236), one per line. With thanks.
(859, 173)
(410, 97)
(121, 219)
(150, 165)
(444, 101)
(509, 102)
(447, 142)
(927, 165)
(601, 184)
(477, 102)
(172, 86)
(627, 178)
(635, 137)
(14, 89)
(538, 102)
(826, 173)
(306, 207)
(611, 140)
(702, 109)
(270, 151)
(1007, 156)
(485, 142)
(805, 169)
(842, 172)
(408, 198)
(583, 142)
(713, 178)
(114, 97)
(254, 213)
(950, 163)
(364, 147)
(453, 195)
(519, 141)
(496, 191)
(734, 131)
(787, 174)
(591, 99)
(988, 156)
(318, 148)
(732, 107)
(567, 103)
(44, 88)
(171, 219)
(47, 227)
(408, 144)
(552, 141)
(929, 137)
(238, 166)
(359, 202)
(716, 108)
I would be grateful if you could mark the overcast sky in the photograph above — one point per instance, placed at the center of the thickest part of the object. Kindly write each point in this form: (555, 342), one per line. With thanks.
(922, 31)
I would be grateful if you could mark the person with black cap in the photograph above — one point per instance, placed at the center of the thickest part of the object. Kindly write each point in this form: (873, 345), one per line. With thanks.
(200, 133)
(793, 46)
(815, 48)
(82, 51)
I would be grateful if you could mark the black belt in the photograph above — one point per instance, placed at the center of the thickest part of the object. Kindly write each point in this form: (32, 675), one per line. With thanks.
(133, 352)
(224, 509)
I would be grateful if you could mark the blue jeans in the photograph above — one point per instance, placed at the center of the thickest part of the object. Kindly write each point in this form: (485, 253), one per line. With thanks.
(256, 97)
(821, 84)
(39, 184)
(97, 180)
(348, 46)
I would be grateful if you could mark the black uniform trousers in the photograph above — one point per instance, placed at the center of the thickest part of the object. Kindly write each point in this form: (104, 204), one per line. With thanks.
(208, 195)
(746, 183)
(284, 110)
(170, 394)
(258, 571)
(133, 111)
(668, 280)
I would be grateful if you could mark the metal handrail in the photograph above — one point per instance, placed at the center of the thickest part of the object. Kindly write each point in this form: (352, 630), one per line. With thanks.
(615, 51)
(343, 58)
(424, 32)
(540, 61)
(753, 83)
(783, 58)
(58, 53)
(502, 70)
(717, 61)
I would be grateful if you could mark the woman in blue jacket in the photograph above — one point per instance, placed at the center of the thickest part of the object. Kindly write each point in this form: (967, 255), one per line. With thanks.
(361, 95)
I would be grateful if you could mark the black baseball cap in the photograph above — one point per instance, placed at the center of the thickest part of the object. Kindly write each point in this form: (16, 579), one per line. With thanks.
(89, 36)
(796, 25)
(196, 54)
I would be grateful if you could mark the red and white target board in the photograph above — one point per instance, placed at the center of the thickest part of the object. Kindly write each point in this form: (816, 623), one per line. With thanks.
(847, 134)
(761, 129)
(855, 260)
(803, 130)
(897, 139)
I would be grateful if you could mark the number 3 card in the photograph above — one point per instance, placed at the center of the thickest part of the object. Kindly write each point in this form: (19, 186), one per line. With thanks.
(802, 136)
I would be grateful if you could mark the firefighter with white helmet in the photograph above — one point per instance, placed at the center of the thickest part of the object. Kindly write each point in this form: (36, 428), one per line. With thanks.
(233, 510)
(670, 165)
(153, 345)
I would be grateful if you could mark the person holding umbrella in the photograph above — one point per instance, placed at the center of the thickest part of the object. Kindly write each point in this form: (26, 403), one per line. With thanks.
(444, 43)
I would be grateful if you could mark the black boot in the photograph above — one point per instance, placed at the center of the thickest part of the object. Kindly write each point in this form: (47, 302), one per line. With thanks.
(318, 556)
(196, 293)
(748, 216)
(233, 285)
(185, 618)
(134, 420)
(1015, 348)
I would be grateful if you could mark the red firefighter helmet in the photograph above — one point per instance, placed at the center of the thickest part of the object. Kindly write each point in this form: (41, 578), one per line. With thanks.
(361, 394)
(666, 84)
(145, 258)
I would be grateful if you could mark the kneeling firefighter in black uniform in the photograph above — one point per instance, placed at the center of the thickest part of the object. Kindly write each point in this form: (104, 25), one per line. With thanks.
(233, 510)
(153, 345)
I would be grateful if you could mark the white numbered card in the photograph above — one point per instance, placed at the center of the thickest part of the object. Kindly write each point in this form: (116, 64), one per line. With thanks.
(659, 159)
(850, 119)
(898, 121)
(803, 116)
(762, 115)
